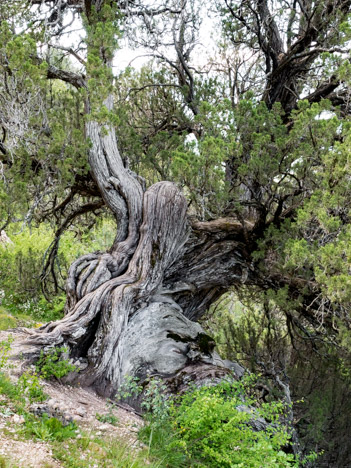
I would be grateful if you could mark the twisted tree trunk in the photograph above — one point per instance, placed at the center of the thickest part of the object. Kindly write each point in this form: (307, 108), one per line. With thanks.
(131, 311)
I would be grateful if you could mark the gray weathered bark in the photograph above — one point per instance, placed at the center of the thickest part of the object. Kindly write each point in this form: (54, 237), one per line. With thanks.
(129, 310)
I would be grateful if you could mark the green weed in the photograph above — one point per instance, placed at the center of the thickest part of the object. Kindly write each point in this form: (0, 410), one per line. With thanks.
(30, 387)
(5, 462)
(5, 347)
(109, 418)
(53, 364)
(48, 429)
(9, 389)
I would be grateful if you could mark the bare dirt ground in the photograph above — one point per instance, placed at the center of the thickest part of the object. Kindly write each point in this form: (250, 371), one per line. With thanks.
(79, 404)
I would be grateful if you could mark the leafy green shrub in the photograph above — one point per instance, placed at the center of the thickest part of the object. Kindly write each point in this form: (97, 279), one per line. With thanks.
(207, 427)
(45, 311)
(156, 400)
(29, 386)
(109, 418)
(129, 388)
(47, 428)
(53, 364)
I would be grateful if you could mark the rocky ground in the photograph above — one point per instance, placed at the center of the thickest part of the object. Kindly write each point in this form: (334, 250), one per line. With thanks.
(66, 403)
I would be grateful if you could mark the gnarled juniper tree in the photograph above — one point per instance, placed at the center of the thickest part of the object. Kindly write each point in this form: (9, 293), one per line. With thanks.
(276, 170)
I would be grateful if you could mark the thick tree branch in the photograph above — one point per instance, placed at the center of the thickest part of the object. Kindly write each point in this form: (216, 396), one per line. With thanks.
(324, 90)
(222, 225)
(275, 43)
(76, 80)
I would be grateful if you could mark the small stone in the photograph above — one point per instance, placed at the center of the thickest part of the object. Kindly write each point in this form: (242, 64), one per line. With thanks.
(18, 419)
(67, 417)
(104, 427)
(80, 412)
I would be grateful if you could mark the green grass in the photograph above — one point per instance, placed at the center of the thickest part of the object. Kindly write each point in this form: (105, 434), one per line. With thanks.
(42, 428)
(48, 429)
(109, 418)
(10, 390)
(5, 462)
(7, 321)
(104, 453)
(159, 438)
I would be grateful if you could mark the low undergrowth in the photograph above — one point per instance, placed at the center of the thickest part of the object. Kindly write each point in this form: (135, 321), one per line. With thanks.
(21, 267)
(208, 427)
(48, 429)
(213, 427)
(54, 363)
(91, 451)
(8, 321)
(72, 446)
